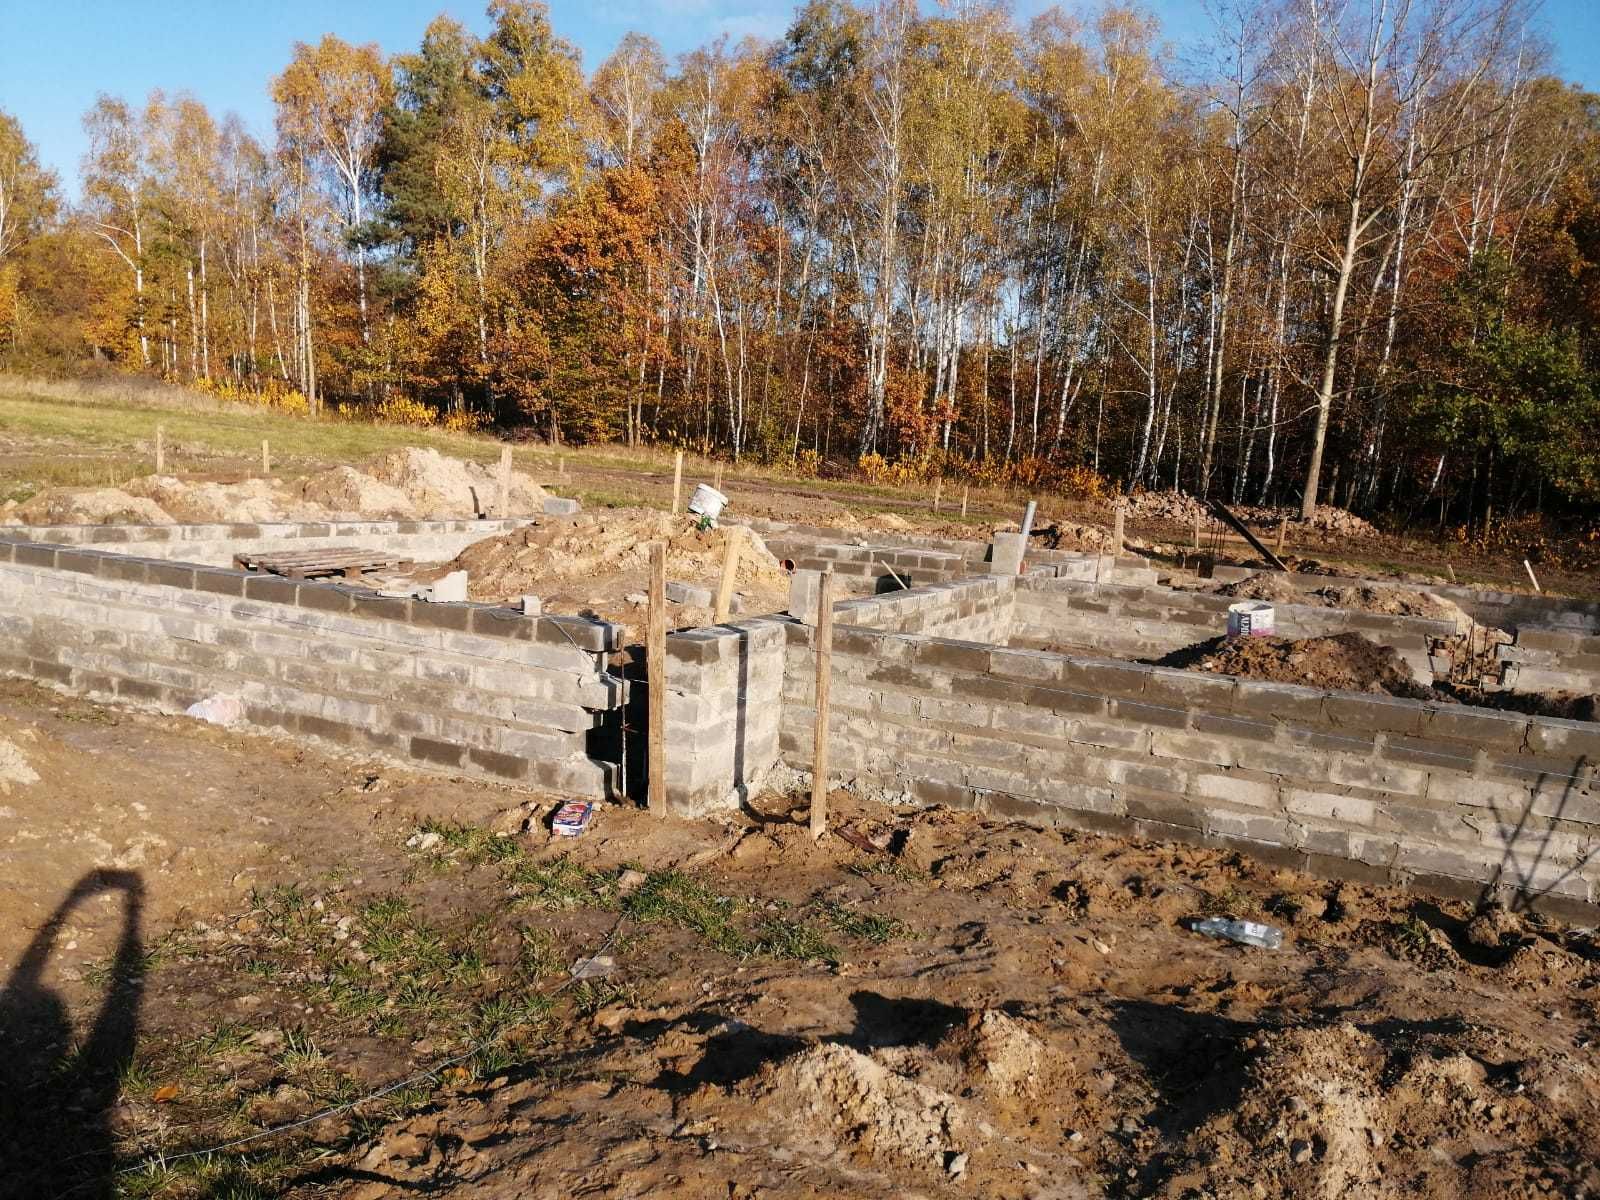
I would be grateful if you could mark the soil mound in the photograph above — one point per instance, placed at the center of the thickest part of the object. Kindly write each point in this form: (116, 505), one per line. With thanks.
(89, 506)
(1344, 662)
(347, 490)
(1342, 523)
(1280, 588)
(1395, 602)
(440, 487)
(207, 503)
(408, 484)
(1273, 586)
(614, 542)
(1165, 506)
(847, 1101)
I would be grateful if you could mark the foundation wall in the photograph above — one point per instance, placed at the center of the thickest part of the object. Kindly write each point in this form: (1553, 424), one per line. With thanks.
(1149, 622)
(724, 695)
(1510, 611)
(1452, 800)
(469, 687)
(215, 545)
(1548, 660)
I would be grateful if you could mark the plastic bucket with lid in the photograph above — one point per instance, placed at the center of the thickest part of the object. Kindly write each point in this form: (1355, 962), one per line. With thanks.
(707, 502)
(1251, 618)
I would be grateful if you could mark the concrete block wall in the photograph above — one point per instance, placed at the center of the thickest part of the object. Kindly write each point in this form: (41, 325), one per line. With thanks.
(1454, 800)
(215, 545)
(1501, 610)
(470, 687)
(1550, 660)
(724, 693)
(977, 609)
(1150, 622)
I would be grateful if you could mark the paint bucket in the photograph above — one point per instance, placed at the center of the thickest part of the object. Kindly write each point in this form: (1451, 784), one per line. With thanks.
(707, 502)
(1251, 618)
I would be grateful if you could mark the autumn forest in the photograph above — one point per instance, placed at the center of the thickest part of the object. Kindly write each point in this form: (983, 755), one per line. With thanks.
(1338, 251)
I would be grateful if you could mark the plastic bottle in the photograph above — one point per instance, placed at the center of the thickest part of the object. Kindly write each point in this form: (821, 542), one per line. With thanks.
(1249, 933)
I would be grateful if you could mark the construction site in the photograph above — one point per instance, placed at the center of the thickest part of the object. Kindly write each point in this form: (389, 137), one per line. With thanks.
(306, 738)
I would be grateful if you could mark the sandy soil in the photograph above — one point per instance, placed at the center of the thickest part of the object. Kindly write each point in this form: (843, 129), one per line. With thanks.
(976, 1009)
(598, 563)
(410, 484)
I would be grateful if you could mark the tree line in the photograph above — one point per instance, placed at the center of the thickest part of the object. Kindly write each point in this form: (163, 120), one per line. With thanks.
(1344, 251)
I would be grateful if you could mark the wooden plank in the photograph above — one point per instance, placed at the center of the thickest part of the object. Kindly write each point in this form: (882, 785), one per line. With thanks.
(656, 668)
(677, 482)
(819, 756)
(1222, 510)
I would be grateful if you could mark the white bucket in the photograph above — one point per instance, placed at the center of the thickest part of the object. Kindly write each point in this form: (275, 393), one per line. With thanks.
(1251, 618)
(707, 502)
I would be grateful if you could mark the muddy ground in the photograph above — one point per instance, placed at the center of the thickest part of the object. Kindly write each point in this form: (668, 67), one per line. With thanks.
(209, 936)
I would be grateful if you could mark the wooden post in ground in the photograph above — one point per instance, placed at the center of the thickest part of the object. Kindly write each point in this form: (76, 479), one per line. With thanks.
(266, 458)
(1283, 530)
(161, 450)
(1197, 531)
(505, 482)
(819, 756)
(677, 482)
(561, 466)
(717, 481)
(656, 667)
(730, 569)
(1117, 527)
(938, 493)
(964, 490)
(1534, 578)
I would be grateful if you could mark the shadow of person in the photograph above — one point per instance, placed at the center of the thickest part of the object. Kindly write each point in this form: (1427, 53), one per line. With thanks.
(57, 1089)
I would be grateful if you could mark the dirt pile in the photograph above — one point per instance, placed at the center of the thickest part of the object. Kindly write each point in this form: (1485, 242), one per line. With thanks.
(409, 484)
(1273, 586)
(1344, 662)
(844, 1101)
(1337, 1111)
(1280, 588)
(345, 489)
(439, 486)
(1185, 510)
(207, 503)
(607, 552)
(85, 506)
(1337, 521)
(1165, 506)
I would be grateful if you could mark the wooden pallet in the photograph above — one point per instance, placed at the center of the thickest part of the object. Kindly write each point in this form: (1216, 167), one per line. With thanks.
(333, 561)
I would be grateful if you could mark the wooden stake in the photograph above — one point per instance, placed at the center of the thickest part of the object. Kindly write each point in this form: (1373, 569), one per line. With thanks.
(1451, 568)
(1117, 536)
(505, 482)
(1197, 531)
(161, 450)
(1283, 530)
(677, 482)
(1529, 567)
(819, 756)
(730, 569)
(656, 668)
(716, 482)
(561, 466)
(266, 458)
(964, 490)
(938, 493)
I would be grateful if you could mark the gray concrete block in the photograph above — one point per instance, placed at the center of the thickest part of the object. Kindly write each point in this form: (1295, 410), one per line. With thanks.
(558, 506)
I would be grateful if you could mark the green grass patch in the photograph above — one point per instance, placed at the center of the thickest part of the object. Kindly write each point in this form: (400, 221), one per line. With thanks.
(865, 926)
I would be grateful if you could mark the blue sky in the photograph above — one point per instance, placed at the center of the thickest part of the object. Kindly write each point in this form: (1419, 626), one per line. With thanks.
(55, 55)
